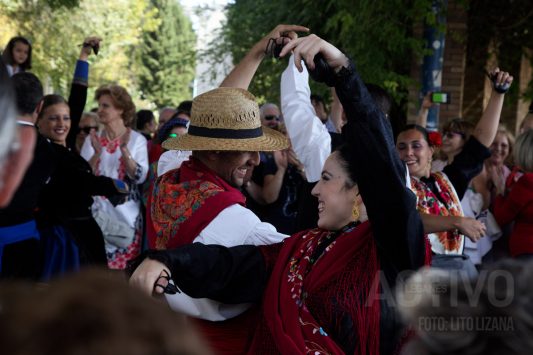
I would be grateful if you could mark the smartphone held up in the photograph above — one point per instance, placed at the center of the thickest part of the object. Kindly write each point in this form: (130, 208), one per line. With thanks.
(439, 97)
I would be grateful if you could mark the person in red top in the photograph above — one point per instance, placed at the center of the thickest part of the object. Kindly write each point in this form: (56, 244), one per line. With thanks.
(517, 204)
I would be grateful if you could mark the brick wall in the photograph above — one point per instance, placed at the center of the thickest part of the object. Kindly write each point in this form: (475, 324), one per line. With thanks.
(453, 66)
(526, 72)
(467, 54)
(454, 61)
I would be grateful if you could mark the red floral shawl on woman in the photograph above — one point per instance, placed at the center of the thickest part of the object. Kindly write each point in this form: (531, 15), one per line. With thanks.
(184, 201)
(346, 272)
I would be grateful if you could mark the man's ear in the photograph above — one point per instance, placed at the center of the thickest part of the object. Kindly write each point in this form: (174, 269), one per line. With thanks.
(213, 155)
(37, 111)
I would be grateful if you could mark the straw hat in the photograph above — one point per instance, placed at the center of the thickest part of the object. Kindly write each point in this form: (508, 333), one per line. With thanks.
(227, 119)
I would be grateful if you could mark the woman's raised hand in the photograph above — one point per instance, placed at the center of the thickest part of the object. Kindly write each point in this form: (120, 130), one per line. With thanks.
(89, 43)
(501, 80)
(242, 74)
(281, 34)
(306, 48)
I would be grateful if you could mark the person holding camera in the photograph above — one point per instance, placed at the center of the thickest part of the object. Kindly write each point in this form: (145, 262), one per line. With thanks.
(70, 235)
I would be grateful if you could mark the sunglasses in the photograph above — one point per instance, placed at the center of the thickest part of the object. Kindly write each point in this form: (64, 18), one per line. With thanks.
(451, 134)
(87, 130)
(272, 117)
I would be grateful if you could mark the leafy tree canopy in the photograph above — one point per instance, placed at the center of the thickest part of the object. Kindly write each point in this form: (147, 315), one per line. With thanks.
(376, 33)
(167, 56)
(57, 28)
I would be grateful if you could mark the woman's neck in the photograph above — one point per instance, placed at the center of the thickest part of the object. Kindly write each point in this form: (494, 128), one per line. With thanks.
(450, 158)
(115, 129)
(494, 165)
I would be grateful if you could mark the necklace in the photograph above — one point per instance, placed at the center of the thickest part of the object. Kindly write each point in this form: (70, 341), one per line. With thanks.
(108, 134)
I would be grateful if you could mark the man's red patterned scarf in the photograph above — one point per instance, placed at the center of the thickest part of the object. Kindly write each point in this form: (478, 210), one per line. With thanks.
(185, 201)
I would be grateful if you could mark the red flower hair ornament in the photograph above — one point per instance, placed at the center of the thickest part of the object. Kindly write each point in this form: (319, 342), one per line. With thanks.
(435, 139)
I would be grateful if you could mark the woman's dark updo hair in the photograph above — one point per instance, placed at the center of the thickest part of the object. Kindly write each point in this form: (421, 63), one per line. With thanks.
(51, 100)
(143, 118)
(417, 127)
(344, 155)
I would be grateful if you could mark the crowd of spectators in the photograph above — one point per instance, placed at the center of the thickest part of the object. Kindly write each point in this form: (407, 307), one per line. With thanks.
(294, 227)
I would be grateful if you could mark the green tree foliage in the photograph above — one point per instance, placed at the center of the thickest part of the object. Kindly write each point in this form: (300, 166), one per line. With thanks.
(508, 24)
(57, 29)
(168, 56)
(376, 33)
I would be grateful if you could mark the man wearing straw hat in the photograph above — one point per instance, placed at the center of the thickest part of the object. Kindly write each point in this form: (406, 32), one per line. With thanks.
(201, 201)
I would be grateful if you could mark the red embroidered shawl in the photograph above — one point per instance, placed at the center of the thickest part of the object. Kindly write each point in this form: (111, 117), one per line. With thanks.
(185, 201)
(346, 272)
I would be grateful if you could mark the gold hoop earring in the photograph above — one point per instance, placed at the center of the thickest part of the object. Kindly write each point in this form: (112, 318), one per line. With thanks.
(355, 212)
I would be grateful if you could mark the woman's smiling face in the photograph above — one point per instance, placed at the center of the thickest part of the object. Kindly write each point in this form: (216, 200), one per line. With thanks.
(336, 198)
(415, 152)
(55, 123)
(499, 149)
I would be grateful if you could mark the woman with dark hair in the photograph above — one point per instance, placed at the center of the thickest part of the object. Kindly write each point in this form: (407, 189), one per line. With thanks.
(17, 55)
(65, 202)
(145, 123)
(439, 193)
(455, 134)
(120, 153)
(319, 288)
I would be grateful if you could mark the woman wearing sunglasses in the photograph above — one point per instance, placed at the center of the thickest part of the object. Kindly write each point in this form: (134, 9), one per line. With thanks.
(88, 123)
(455, 134)
(65, 202)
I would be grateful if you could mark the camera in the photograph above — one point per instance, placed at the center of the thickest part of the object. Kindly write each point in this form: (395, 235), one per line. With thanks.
(274, 48)
(439, 97)
(503, 88)
(95, 47)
